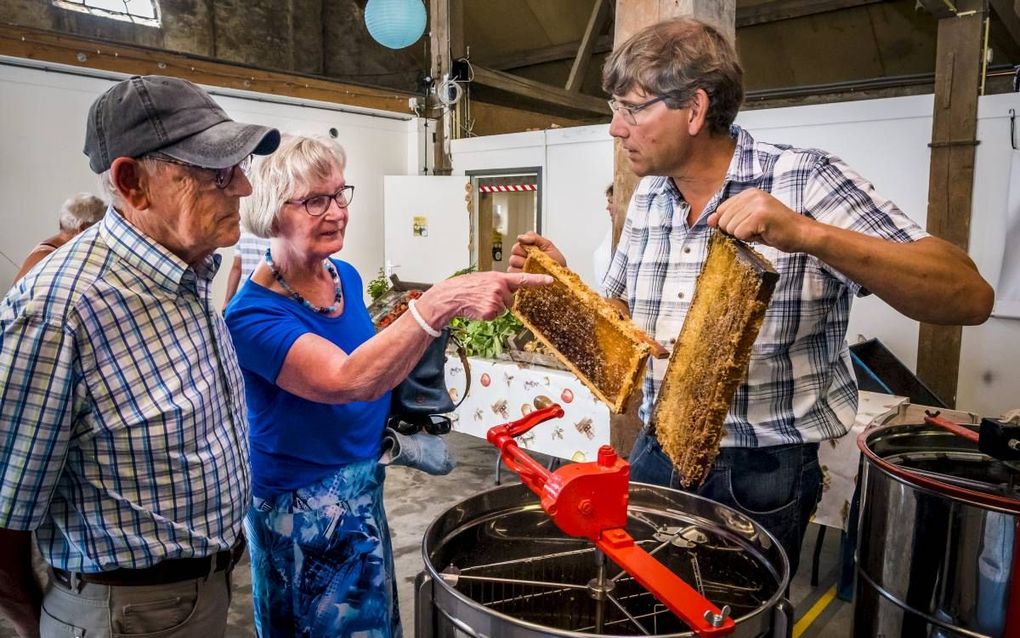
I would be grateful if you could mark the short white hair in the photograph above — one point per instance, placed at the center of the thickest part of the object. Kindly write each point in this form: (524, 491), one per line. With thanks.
(109, 189)
(80, 211)
(299, 161)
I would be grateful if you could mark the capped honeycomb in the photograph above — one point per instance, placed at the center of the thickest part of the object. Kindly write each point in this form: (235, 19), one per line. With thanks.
(711, 356)
(592, 338)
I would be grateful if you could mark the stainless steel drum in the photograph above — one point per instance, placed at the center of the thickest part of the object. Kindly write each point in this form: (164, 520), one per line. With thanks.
(937, 548)
(496, 566)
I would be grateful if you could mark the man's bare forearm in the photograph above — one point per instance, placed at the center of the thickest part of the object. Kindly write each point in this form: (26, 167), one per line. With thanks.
(20, 594)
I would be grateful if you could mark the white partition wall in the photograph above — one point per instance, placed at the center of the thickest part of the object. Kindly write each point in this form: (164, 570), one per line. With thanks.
(577, 165)
(42, 124)
(885, 140)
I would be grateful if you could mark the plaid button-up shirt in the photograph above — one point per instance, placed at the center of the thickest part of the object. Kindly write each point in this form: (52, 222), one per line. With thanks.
(123, 434)
(800, 385)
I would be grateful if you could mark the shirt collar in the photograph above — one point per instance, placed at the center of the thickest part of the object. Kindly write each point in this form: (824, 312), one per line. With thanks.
(745, 167)
(151, 258)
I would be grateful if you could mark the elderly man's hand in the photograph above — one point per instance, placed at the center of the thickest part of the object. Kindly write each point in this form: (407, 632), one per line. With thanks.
(531, 238)
(756, 216)
(481, 295)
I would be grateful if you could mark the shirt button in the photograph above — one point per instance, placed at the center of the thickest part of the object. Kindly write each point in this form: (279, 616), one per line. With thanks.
(680, 296)
(687, 249)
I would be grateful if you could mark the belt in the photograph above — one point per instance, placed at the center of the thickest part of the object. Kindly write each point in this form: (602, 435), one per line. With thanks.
(165, 572)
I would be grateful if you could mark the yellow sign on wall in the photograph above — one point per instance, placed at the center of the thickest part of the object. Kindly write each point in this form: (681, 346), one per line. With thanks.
(421, 226)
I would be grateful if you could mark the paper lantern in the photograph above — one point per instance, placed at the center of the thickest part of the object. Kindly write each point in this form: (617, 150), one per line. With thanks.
(395, 23)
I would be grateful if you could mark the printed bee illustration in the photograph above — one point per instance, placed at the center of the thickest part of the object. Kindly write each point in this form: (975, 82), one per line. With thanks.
(501, 408)
(525, 440)
(531, 384)
(826, 478)
(585, 427)
(508, 378)
(557, 433)
(479, 415)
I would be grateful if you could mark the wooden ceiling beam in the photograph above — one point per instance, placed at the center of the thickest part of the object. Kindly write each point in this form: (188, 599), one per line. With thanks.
(1006, 11)
(939, 8)
(790, 9)
(555, 53)
(539, 91)
(48, 46)
(746, 17)
(596, 22)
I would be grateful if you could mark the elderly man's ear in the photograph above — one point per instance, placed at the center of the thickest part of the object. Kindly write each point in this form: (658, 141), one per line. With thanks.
(131, 181)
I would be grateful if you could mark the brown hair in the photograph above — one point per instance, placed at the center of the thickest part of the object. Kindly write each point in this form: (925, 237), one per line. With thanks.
(674, 59)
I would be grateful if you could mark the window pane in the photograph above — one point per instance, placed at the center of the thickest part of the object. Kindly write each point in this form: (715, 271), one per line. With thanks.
(140, 11)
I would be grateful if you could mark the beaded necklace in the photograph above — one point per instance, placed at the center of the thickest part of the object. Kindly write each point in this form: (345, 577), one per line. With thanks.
(296, 296)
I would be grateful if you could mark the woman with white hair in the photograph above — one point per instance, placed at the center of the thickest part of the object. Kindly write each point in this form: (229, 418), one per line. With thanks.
(77, 214)
(318, 381)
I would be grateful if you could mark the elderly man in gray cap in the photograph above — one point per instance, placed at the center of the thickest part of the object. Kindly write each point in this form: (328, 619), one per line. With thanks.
(123, 439)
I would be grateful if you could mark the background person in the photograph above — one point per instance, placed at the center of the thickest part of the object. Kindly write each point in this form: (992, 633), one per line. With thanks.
(248, 254)
(318, 381)
(677, 87)
(77, 214)
(122, 423)
(603, 254)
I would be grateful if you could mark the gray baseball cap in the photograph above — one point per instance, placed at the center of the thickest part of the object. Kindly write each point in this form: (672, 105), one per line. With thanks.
(145, 114)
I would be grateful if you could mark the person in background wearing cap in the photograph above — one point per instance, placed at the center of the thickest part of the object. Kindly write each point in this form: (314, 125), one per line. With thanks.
(77, 214)
(123, 435)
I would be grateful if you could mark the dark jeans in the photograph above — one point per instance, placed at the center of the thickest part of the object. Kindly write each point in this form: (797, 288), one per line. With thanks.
(776, 486)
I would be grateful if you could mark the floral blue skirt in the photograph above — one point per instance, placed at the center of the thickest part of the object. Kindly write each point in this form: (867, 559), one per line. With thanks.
(321, 559)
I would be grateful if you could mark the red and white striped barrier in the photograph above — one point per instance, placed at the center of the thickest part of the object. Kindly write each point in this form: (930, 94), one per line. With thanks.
(507, 188)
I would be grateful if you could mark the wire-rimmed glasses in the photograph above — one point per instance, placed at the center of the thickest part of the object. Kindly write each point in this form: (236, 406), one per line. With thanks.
(221, 176)
(629, 111)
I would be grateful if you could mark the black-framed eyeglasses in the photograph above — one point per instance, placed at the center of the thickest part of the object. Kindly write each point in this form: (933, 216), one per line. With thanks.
(221, 176)
(629, 111)
(317, 205)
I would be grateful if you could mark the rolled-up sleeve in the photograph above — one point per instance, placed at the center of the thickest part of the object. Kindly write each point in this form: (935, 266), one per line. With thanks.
(837, 195)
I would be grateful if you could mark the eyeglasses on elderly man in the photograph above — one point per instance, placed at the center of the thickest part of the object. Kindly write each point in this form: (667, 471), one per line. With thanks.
(221, 176)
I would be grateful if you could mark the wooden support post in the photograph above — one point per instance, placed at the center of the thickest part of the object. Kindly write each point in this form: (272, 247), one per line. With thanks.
(445, 41)
(958, 65)
(631, 17)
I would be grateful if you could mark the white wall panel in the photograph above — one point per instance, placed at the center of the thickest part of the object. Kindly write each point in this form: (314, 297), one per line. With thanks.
(42, 123)
(884, 140)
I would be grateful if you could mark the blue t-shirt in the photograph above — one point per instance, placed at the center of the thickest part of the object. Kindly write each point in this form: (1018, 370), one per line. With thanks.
(295, 442)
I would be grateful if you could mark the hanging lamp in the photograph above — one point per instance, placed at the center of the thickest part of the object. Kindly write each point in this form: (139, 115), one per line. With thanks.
(395, 23)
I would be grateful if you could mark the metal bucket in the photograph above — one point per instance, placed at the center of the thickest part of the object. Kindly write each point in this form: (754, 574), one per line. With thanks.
(938, 543)
(496, 566)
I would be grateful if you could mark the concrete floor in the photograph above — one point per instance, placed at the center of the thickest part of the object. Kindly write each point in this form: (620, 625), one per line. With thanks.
(413, 500)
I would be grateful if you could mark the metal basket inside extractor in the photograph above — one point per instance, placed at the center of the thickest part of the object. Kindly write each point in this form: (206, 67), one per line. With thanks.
(517, 563)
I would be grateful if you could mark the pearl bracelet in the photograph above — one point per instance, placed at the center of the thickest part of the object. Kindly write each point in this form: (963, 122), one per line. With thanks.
(429, 330)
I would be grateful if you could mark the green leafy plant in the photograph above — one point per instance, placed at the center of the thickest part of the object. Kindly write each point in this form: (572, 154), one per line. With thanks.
(378, 286)
(486, 339)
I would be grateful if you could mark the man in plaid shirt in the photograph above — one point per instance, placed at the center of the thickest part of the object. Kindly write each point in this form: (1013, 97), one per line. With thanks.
(676, 89)
(123, 430)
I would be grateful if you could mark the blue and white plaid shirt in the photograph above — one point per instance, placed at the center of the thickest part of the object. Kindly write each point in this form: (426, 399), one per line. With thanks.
(251, 249)
(123, 434)
(800, 385)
